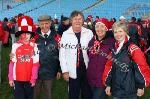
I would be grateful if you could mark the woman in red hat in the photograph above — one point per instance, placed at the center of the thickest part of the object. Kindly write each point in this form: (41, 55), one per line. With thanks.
(99, 48)
(23, 67)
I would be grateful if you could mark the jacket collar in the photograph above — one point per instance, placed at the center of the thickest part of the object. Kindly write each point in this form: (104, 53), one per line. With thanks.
(48, 33)
(51, 35)
(122, 44)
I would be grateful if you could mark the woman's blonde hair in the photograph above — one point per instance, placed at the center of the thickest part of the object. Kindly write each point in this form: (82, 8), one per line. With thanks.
(120, 25)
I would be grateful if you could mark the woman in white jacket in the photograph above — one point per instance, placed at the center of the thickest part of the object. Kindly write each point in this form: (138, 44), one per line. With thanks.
(73, 56)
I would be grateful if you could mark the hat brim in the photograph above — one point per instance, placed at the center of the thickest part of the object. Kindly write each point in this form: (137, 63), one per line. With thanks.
(21, 32)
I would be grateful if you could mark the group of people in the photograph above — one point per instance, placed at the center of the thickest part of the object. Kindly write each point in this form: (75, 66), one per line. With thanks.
(94, 64)
(34, 59)
(8, 28)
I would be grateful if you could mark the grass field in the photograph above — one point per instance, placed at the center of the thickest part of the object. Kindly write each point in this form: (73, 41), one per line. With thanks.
(59, 88)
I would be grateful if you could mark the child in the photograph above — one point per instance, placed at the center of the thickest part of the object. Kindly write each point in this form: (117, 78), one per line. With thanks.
(23, 67)
(127, 73)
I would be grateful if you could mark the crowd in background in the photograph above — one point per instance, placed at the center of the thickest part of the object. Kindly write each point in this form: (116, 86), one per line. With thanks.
(141, 28)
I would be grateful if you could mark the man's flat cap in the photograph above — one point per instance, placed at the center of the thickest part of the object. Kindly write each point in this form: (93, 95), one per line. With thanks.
(44, 18)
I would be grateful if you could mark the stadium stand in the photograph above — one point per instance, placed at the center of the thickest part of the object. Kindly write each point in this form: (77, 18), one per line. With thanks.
(116, 8)
(103, 8)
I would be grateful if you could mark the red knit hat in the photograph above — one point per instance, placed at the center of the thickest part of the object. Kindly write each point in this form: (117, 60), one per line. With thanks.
(103, 21)
(90, 17)
(145, 21)
(25, 25)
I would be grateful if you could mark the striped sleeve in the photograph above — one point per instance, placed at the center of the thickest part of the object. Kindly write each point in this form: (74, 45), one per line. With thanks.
(140, 60)
(10, 71)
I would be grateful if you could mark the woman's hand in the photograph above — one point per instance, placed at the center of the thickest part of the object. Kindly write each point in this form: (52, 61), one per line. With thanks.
(107, 90)
(140, 92)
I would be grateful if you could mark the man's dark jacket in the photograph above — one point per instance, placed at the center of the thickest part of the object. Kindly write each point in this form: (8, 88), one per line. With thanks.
(48, 56)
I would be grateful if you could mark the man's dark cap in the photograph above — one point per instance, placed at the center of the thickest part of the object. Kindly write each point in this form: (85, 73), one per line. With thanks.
(65, 18)
(44, 18)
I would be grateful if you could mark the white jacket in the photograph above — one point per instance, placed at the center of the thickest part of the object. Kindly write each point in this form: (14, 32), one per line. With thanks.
(68, 50)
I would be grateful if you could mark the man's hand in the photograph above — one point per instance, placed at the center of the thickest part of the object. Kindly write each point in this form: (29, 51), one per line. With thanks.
(107, 90)
(66, 76)
(58, 75)
(140, 92)
(11, 83)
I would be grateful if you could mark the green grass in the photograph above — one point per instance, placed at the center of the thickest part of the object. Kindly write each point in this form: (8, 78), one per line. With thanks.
(59, 89)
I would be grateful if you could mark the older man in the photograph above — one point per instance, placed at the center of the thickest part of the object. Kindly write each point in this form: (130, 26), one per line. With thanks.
(73, 57)
(48, 55)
